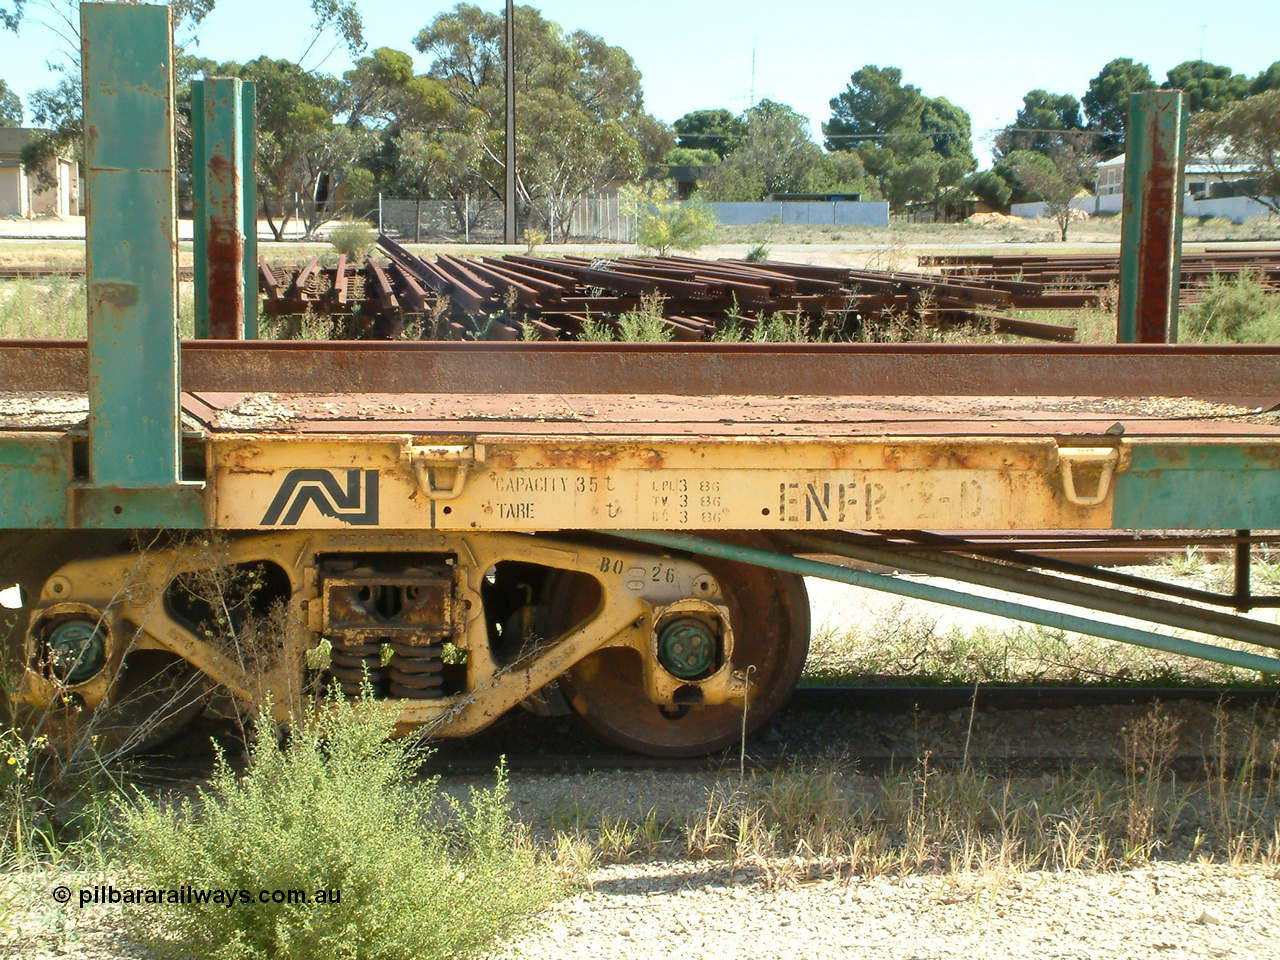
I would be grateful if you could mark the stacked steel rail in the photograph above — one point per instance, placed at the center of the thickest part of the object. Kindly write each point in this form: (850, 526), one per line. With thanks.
(511, 297)
(1090, 274)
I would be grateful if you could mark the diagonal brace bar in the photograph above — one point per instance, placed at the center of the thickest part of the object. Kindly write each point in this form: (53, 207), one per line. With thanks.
(1002, 576)
(925, 591)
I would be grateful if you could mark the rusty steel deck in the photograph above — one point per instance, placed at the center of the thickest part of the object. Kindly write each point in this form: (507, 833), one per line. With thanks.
(601, 417)
(502, 417)
(540, 437)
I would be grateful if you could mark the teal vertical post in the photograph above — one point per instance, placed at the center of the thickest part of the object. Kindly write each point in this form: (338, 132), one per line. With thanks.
(199, 247)
(1151, 239)
(218, 187)
(131, 247)
(249, 176)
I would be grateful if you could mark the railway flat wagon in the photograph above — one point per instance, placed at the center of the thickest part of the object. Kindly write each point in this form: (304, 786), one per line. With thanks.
(619, 530)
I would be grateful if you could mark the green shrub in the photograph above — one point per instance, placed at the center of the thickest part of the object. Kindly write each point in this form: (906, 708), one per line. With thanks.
(533, 239)
(355, 239)
(645, 325)
(596, 330)
(757, 254)
(338, 810)
(1233, 310)
(664, 224)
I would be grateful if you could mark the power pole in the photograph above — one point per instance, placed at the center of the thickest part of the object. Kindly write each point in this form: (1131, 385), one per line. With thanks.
(510, 228)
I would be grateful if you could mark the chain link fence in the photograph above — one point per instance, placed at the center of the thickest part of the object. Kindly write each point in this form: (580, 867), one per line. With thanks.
(600, 219)
(592, 220)
(307, 219)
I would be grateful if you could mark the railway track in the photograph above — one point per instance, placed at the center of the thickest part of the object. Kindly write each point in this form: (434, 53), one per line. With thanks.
(809, 728)
(866, 728)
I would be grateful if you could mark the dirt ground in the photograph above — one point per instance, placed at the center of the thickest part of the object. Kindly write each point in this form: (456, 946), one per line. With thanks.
(59, 240)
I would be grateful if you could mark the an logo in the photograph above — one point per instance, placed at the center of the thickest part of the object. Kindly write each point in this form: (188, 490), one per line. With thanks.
(357, 505)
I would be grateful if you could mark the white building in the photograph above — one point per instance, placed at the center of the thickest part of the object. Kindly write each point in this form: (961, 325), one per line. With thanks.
(1201, 176)
(21, 195)
(1211, 192)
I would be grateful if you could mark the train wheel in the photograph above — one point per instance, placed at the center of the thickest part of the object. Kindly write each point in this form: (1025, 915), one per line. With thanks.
(156, 696)
(769, 614)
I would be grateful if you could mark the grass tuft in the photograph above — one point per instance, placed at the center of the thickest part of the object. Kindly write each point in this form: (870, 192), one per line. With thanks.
(57, 308)
(823, 821)
(645, 325)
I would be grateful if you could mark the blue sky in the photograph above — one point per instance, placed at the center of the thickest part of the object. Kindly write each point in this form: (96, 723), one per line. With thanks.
(983, 56)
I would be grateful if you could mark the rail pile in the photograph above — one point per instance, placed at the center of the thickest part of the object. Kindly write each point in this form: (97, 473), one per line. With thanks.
(1085, 275)
(516, 296)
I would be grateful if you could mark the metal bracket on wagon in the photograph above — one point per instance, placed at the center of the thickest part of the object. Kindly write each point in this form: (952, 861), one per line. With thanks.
(442, 471)
(1103, 462)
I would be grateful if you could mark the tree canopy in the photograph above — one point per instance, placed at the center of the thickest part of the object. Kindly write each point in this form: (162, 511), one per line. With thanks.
(1036, 125)
(582, 125)
(717, 130)
(1106, 104)
(580, 111)
(778, 155)
(1208, 86)
(1268, 79)
(10, 107)
(1243, 134)
(1056, 176)
(916, 148)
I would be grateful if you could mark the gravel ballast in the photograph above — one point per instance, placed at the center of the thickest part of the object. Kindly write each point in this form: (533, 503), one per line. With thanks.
(677, 910)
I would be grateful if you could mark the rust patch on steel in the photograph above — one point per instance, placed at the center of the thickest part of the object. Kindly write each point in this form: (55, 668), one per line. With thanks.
(1172, 456)
(111, 293)
(1267, 457)
(1156, 286)
(602, 458)
(243, 458)
(225, 245)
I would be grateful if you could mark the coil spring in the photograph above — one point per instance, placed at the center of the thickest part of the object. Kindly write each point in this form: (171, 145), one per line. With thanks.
(417, 672)
(351, 663)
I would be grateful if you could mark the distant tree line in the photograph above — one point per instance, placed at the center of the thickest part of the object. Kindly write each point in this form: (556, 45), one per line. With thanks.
(1056, 133)
(384, 127)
